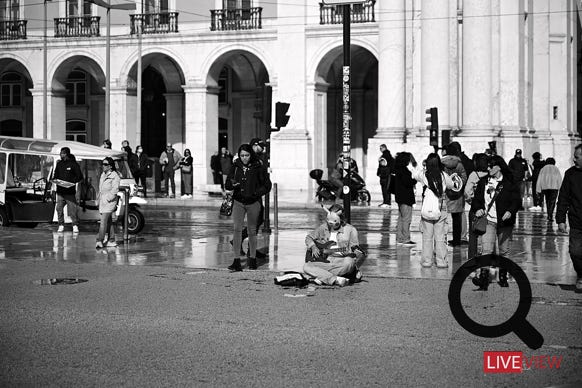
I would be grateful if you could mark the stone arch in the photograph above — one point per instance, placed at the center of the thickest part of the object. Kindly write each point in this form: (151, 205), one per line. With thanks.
(327, 78)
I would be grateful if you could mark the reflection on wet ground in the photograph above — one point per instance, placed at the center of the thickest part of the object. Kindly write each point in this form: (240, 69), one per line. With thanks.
(200, 238)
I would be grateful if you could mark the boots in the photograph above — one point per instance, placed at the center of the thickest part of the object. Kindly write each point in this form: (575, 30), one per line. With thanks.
(252, 263)
(235, 266)
(503, 278)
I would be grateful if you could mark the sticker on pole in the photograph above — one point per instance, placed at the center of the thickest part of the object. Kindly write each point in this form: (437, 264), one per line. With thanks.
(346, 189)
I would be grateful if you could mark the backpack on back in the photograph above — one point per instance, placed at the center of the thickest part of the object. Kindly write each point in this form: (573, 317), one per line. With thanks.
(431, 206)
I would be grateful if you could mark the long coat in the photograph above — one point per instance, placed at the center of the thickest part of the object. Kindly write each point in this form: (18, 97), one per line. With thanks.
(108, 188)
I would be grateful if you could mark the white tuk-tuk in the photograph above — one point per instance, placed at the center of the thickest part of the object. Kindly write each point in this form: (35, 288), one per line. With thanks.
(26, 168)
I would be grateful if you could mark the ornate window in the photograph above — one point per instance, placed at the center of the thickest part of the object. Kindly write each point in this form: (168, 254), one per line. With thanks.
(11, 90)
(77, 88)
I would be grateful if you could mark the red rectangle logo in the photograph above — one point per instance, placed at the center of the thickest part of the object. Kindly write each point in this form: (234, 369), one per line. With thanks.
(502, 362)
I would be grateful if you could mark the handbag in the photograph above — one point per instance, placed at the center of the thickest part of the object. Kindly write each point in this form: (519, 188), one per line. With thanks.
(479, 225)
(187, 168)
(226, 206)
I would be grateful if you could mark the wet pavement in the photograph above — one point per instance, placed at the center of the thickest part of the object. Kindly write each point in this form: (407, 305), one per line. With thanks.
(179, 234)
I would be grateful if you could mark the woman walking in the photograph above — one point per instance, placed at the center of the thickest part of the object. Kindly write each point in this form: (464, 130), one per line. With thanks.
(107, 200)
(186, 170)
(480, 171)
(497, 197)
(434, 231)
(249, 181)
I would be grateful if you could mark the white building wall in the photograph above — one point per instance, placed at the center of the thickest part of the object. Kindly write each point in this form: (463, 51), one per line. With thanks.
(509, 73)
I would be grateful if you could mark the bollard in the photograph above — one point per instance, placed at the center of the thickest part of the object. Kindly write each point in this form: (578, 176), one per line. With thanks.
(126, 212)
(275, 208)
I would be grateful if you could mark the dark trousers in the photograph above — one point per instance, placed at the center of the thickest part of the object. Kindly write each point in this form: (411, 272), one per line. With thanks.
(457, 227)
(550, 196)
(385, 184)
(576, 250)
(140, 176)
(169, 179)
(537, 198)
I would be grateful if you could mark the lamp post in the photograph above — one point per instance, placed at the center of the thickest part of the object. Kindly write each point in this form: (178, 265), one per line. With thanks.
(45, 76)
(346, 100)
(139, 78)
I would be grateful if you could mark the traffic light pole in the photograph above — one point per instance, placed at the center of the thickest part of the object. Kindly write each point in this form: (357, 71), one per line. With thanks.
(346, 116)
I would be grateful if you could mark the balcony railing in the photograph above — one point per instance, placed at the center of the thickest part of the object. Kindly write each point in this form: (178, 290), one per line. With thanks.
(236, 19)
(154, 23)
(12, 29)
(360, 13)
(77, 26)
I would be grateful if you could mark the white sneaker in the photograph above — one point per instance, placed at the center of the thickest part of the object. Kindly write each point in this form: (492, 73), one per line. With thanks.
(384, 205)
(61, 229)
(75, 229)
(341, 281)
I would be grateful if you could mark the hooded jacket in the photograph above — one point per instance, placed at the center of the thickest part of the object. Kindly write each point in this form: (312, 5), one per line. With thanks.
(249, 182)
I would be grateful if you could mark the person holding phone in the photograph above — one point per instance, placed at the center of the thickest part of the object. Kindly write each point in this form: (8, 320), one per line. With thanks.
(248, 181)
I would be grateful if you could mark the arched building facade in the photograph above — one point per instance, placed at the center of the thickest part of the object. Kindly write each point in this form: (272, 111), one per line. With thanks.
(504, 71)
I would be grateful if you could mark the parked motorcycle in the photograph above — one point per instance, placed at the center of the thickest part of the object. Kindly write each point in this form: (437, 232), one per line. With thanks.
(326, 190)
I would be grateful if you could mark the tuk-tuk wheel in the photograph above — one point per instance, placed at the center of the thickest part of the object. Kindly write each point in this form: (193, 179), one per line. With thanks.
(3, 217)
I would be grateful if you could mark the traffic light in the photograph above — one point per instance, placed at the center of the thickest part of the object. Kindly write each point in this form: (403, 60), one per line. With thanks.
(433, 119)
(281, 116)
(263, 101)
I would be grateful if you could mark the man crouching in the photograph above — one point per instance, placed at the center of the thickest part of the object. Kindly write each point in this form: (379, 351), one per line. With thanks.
(333, 251)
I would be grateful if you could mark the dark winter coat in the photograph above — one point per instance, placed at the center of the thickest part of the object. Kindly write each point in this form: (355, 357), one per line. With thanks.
(518, 167)
(68, 170)
(404, 186)
(508, 199)
(249, 183)
(570, 199)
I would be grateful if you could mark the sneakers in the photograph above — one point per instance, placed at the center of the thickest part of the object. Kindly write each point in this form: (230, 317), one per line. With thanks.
(409, 243)
(75, 229)
(318, 282)
(186, 196)
(342, 282)
(98, 245)
(536, 208)
(235, 266)
(61, 229)
(111, 244)
(384, 205)
(172, 196)
(579, 286)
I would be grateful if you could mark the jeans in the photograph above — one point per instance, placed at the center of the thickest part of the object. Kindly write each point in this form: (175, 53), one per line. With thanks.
(106, 226)
(169, 176)
(252, 212)
(72, 208)
(403, 224)
(434, 235)
(576, 250)
(551, 196)
(473, 239)
(501, 235)
(328, 272)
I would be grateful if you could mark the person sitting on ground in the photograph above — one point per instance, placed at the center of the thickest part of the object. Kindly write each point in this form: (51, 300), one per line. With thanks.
(338, 267)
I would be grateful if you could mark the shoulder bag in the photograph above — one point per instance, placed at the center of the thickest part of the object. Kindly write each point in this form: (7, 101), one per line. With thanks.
(479, 226)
